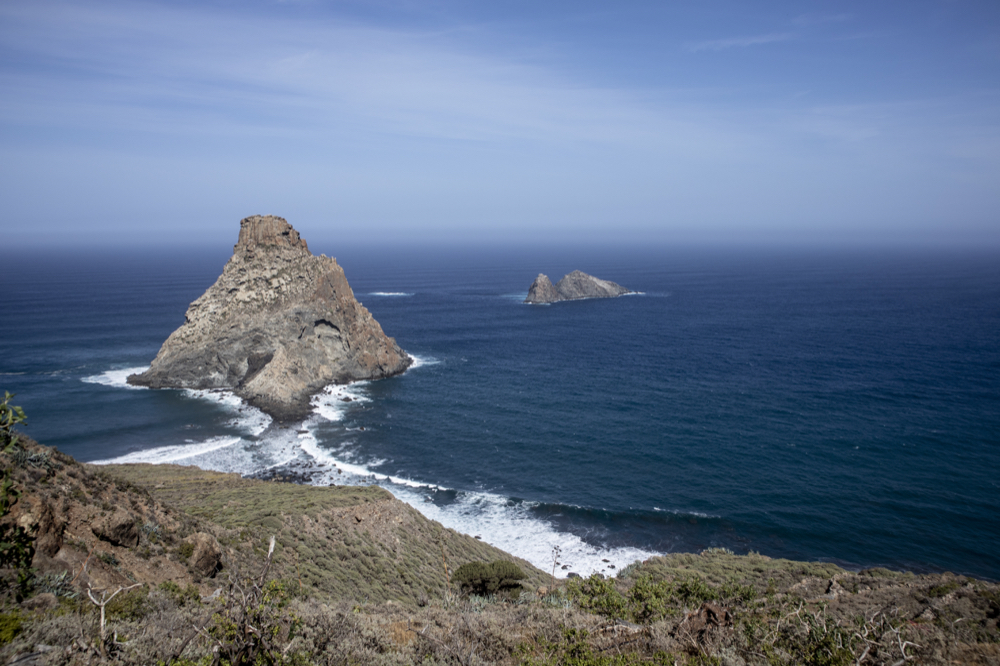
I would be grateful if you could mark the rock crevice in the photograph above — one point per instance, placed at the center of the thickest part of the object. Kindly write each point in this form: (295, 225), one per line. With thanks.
(276, 327)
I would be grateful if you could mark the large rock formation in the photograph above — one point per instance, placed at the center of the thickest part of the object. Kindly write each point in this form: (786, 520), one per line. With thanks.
(276, 327)
(572, 287)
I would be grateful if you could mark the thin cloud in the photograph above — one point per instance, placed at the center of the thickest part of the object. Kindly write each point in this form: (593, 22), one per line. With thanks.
(193, 73)
(739, 42)
(818, 19)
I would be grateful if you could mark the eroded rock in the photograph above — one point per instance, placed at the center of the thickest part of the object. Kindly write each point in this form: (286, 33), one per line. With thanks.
(574, 286)
(278, 326)
(542, 291)
(117, 528)
(206, 559)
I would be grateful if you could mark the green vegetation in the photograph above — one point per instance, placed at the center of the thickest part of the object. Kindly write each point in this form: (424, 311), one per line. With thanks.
(16, 543)
(185, 550)
(10, 416)
(182, 596)
(10, 626)
(253, 628)
(573, 649)
(337, 542)
(132, 605)
(483, 578)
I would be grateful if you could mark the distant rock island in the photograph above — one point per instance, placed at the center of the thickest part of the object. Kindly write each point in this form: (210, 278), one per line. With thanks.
(572, 287)
(276, 327)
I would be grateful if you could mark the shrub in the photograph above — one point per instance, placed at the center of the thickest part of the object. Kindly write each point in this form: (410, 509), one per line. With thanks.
(943, 589)
(10, 627)
(693, 591)
(648, 601)
(599, 596)
(17, 548)
(181, 595)
(10, 416)
(573, 649)
(130, 606)
(482, 578)
(253, 626)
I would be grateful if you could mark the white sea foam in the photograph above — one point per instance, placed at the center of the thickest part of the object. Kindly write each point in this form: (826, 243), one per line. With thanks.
(676, 512)
(247, 418)
(420, 361)
(389, 293)
(500, 522)
(333, 401)
(512, 528)
(116, 377)
(223, 454)
(172, 454)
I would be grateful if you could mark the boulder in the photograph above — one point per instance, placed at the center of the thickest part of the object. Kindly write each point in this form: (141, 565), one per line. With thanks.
(206, 559)
(49, 537)
(278, 326)
(117, 528)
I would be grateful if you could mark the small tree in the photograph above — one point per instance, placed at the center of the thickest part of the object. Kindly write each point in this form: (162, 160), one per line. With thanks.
(9, 417)
(482, 578)
(252, 629)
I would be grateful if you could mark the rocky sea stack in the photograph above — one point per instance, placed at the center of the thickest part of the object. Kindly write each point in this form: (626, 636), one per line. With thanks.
(276, 327)
(572, 287)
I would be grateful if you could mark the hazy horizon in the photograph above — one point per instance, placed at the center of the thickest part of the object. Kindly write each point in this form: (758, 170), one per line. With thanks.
(715, 124)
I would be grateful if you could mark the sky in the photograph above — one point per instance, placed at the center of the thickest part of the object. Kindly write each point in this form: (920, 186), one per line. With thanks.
(448, 121)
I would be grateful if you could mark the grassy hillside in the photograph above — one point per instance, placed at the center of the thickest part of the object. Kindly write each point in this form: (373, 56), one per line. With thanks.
(358, 577)
(338, 542)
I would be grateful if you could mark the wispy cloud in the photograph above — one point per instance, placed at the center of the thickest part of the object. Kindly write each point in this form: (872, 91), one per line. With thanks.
(740, 42)
(819, 19)
(163, 70)
(147, 93)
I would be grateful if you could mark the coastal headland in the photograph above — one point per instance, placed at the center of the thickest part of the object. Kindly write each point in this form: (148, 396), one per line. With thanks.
(277, 326)
(145, 564)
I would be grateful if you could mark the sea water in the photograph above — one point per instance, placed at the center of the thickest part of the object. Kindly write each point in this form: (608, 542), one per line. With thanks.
(819, 405)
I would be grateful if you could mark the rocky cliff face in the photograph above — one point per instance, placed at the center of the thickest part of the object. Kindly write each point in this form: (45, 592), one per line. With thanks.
(542, 291)
(573, 286)
(276, 327)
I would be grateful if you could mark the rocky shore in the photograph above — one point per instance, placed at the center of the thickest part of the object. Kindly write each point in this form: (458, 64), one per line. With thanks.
(277, 326)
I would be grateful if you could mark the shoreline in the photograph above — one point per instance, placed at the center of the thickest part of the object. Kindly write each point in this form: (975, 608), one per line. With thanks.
(421, 495)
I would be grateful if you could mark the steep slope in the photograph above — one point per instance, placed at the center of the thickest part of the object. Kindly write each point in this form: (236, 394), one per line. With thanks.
(542, 291)
(339, 542)
(276, 327)
(114, 525)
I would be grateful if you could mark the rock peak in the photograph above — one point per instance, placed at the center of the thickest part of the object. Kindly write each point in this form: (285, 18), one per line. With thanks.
(277, 327)
(268, 230)
(542, 291)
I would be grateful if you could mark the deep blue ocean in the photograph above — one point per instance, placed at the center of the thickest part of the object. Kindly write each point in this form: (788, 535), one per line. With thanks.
(820, 405)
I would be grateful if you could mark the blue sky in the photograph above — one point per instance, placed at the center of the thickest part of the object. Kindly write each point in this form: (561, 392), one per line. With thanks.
(515, 122)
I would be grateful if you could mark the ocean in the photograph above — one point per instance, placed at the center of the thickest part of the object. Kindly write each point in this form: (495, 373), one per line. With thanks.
(837, 405)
